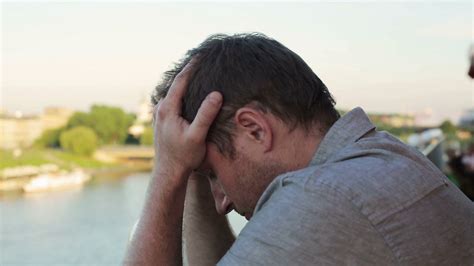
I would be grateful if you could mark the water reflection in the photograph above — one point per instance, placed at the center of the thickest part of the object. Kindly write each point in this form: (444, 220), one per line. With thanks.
(87, 226)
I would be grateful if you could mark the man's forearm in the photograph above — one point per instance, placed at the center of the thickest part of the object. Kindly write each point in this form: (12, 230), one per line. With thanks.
(180, 147)
(207, 235)
(157, 239)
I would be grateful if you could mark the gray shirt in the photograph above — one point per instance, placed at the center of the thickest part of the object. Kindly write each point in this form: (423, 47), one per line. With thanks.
(365, 199)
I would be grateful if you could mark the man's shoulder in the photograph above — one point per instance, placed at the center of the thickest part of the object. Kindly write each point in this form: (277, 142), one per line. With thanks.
(362, 204)
(377, 174)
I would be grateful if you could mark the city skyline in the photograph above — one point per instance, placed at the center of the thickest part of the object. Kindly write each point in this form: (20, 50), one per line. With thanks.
(397, 57)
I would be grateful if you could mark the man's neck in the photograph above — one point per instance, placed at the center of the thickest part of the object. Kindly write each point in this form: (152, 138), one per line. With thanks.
(298, 148)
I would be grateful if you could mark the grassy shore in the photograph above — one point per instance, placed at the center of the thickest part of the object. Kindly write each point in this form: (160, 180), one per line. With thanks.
(65, 161)
(36, 157)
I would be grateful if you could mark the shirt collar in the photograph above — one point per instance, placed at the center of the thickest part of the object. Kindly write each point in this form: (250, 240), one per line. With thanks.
(348, 129)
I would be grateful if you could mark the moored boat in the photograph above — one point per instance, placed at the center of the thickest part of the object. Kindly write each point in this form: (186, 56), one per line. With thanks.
(56, 181)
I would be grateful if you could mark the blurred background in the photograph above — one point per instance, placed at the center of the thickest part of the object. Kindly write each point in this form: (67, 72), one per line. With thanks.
(76, 79)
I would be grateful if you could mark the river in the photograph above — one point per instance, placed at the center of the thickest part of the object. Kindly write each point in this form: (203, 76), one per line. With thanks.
(87, 226)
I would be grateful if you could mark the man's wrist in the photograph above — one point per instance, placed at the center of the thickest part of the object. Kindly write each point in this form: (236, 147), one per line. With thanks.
(177, 174)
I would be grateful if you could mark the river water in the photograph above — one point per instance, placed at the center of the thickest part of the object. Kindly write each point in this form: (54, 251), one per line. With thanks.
(87, 226)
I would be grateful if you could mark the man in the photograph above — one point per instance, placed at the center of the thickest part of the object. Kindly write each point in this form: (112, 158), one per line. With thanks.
(251, 116)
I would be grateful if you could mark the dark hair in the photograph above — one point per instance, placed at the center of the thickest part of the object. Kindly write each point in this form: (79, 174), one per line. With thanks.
(252, 69)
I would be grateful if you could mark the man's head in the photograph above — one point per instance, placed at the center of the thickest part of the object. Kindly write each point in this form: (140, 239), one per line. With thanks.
(269, 92)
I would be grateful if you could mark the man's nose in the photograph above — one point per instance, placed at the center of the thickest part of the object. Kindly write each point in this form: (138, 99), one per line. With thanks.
(222, 202)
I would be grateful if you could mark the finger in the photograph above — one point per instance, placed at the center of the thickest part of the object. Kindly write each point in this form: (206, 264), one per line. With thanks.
(155, 109)
(157, 105)
(178, 88)
(205, 116)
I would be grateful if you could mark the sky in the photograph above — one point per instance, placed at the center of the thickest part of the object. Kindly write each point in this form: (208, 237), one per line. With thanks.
(387, 57)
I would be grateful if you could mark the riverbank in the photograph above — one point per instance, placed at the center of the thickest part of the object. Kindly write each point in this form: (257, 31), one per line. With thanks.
(14, 187)
(37, 158)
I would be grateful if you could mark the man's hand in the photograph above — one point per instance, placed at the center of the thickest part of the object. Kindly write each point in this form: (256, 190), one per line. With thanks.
(179, 146)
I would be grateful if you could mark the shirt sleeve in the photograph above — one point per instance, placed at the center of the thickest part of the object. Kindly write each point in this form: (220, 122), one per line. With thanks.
(297, 226)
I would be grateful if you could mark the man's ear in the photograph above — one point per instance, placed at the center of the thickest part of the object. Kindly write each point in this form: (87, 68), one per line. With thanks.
(255, 126)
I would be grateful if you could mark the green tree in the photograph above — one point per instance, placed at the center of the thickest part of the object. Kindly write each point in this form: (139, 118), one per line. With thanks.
(448, 128)
(79, 140)
(109, 123)
(49, 138)
(79, 119)
(147, 137)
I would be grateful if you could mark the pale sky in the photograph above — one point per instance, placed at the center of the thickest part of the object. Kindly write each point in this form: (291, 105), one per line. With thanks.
(385, 57)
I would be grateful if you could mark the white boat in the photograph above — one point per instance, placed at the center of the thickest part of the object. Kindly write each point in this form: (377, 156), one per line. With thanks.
(50, 181)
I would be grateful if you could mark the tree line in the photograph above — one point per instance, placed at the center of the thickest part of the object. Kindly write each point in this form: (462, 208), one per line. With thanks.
(85, 131)
(107, 125)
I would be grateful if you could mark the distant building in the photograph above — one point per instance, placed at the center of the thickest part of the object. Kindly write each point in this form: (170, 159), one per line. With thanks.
(136, 130)
(464, 135)
(426, 118)
(55, 117)
(144, 116)
(144, 112)
(18, 131)
(21, 131)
